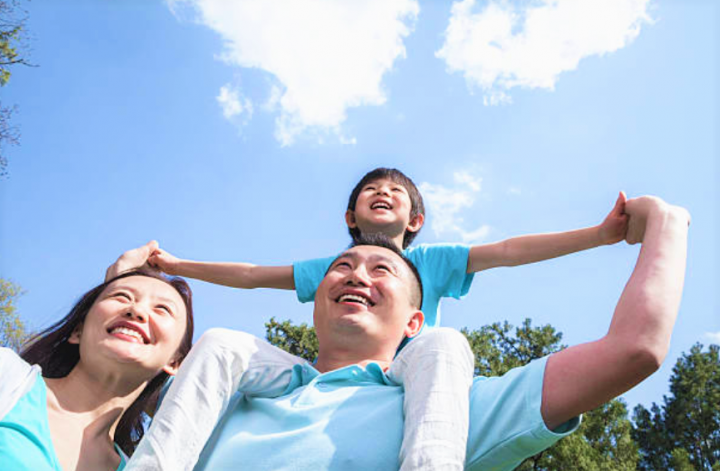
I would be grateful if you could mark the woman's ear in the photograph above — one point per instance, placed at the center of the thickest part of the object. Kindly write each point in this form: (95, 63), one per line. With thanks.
(172, 367)
(75, 335)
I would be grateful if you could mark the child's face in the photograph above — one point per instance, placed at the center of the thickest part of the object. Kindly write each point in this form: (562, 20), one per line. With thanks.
(383, 206)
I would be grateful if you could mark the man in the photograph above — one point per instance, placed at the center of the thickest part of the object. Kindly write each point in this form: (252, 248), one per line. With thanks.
(345, 414)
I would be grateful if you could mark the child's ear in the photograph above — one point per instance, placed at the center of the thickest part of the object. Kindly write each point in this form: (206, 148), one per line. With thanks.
(75, 335)
(416, 223)
(350, 219)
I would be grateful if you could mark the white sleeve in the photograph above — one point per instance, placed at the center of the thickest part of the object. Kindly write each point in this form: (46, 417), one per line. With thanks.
(17, 377)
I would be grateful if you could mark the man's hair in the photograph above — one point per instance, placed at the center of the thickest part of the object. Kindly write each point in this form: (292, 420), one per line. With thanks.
(381, 240)
(417, 206)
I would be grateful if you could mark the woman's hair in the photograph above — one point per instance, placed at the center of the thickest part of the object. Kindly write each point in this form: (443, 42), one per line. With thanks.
(57, 357)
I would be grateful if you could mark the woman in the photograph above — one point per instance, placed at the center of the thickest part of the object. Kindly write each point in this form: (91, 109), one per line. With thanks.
(80, 407)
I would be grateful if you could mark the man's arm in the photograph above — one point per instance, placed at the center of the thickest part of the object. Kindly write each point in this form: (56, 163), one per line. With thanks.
(585, 376)
(237, 275)
(537, 247)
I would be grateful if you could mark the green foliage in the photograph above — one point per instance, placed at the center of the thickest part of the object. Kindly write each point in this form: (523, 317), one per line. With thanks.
(300, 340)
(12, 44)
(12, 328)
(684, 433)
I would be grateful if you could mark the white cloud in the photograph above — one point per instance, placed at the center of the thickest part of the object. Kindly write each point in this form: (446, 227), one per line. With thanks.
(446, 205)
(506, 45)
(235, 107)
(514, 190)
(327, 56)
(714, 337)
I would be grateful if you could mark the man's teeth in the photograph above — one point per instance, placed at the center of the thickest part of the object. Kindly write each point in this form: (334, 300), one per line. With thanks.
(353, 298)
(129, 332)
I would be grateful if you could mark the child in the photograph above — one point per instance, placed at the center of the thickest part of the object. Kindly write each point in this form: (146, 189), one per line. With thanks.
(435, 369)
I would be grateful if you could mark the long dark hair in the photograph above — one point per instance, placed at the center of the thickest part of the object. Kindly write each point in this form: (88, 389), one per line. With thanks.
(57, 357)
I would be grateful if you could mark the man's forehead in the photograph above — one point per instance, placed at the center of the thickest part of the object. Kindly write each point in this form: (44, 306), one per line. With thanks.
(370, 252)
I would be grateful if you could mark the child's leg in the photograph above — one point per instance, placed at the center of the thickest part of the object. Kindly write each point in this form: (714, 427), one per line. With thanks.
(221, 363)
(436, 370)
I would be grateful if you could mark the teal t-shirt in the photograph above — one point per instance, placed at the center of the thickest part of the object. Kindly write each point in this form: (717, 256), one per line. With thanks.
(442, 268)
(25, 441)
(351, 419)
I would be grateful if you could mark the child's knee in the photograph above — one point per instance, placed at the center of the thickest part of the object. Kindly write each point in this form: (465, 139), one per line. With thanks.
(218, 338)
(447, 339)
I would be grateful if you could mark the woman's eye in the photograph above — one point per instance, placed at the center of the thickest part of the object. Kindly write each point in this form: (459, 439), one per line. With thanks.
(164, 308)
(123, 296)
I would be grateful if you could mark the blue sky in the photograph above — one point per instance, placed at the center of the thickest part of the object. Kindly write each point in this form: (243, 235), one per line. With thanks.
(235, 131)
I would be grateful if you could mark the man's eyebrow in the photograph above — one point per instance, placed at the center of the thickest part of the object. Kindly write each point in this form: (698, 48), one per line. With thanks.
(385, 259)
(351, 255)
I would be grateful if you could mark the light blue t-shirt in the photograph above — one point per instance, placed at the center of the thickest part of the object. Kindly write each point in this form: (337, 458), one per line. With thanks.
(442, 267)
(351, 419)
(25, 441)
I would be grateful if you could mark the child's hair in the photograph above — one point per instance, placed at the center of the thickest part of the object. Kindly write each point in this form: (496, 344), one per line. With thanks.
(395, 175)
(57, 357)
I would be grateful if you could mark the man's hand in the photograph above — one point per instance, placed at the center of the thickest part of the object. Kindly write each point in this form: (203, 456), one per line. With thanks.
(638, 210)
(615, 226)
(164, 261)
(131, 260)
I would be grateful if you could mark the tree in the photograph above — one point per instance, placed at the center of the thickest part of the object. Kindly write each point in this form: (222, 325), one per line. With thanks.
(12, 328)
(604, 441)
(12, 40)
(683, 433)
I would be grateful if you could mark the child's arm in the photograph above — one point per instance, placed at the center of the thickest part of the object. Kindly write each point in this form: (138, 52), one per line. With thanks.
(235, 274)
(238, 275)
(535, 248)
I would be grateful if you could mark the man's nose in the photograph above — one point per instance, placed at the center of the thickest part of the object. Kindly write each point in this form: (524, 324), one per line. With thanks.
(358, 276)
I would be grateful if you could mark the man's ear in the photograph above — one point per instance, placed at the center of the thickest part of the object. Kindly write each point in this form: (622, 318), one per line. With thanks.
(416, 223)
(414, 324)
(75, 335)
(350, 219)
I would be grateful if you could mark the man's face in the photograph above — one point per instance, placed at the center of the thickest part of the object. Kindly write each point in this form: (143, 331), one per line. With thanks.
(367, 291)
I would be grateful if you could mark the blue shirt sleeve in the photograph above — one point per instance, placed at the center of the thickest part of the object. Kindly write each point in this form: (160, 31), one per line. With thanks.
(507, 409)
(443, 271)
(308, 275)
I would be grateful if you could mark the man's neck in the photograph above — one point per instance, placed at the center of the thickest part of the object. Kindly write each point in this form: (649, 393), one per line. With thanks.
(330, 361)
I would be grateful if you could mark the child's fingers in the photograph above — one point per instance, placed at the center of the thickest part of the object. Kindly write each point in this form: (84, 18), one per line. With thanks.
(619, 207)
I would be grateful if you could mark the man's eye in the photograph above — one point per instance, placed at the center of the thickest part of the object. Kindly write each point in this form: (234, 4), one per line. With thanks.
(383, 268)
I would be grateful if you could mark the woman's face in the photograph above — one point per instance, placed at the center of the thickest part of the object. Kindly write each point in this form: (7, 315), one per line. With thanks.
(137, 321)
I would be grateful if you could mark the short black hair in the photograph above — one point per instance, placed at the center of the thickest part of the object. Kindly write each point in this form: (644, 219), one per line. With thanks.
(381, 240)
(416, 202)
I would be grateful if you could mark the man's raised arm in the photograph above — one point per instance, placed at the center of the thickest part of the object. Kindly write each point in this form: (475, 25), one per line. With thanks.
(585, 376)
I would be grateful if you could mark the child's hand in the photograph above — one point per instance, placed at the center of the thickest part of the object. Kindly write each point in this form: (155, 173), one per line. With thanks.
(132, 259)
(164, 261)
(615, 226)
